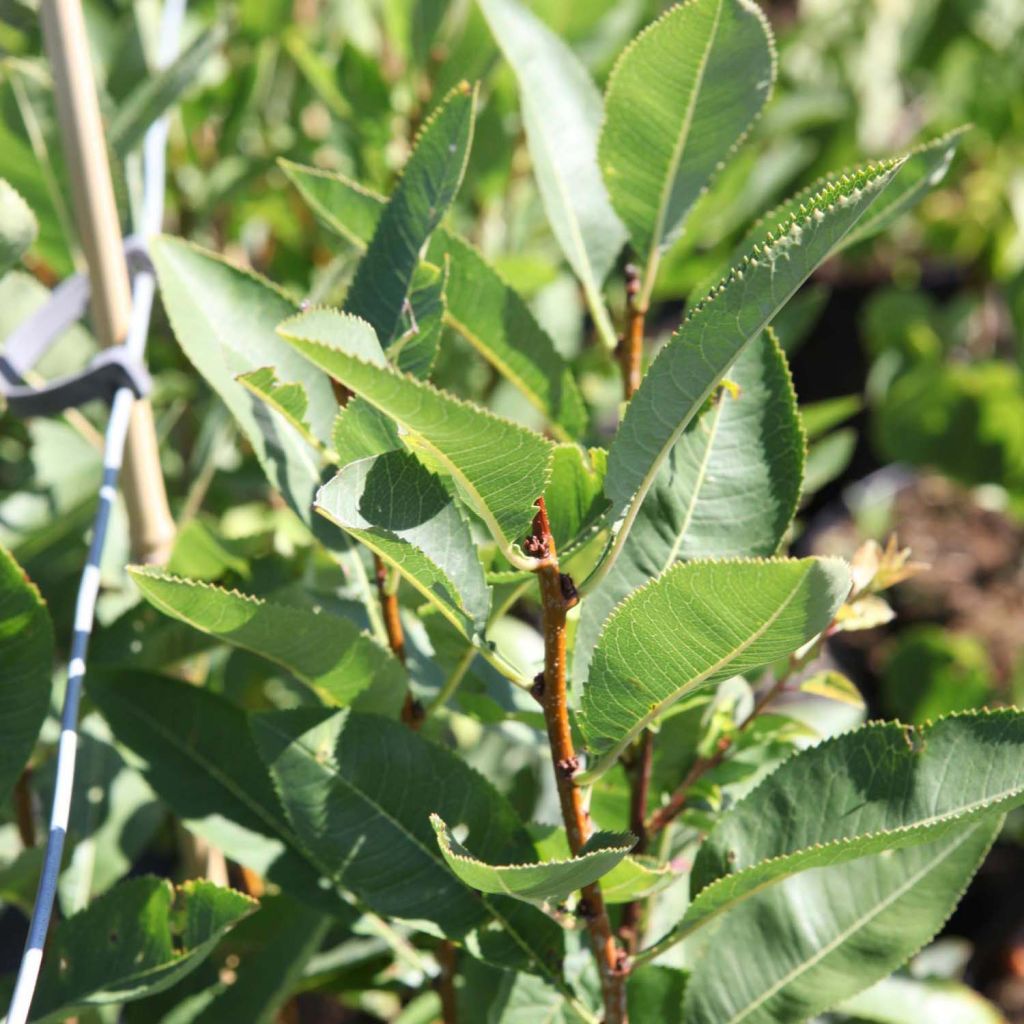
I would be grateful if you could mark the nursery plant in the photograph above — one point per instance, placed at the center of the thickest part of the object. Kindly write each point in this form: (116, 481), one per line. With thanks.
(522, 719)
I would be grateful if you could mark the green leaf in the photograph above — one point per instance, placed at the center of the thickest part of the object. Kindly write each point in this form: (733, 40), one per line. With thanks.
(827, 458)
(496, 321)
(724, 618)
(680, 99)
(481, 307)
(562, 112)
(225, 320)
(686, 371)
(729, 487)
(157, 93)
(491, 996)
(889, 786)
(399, 509)
(656, 994)
(821, 417)
(635, 878)
(18, 226)
(427, 186)
(199, 756)
(551, 880)
(575, 492)
(500, 467)
(327, 652)
(343, 206)
(357, 788)
(26, 662)
(817, 938)
(901, 1000)
(137, 939)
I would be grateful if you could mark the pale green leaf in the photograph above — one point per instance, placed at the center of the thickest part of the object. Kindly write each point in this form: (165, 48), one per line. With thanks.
(500, 468)
(889, 786)
(26, 661)
(635, 878)
(428, 184)
(18, 226)
(288, 398)
(902, 1000)
(687, 370)
(480, 306)
(679, 100)
(804, 945)
(562, 112)
(327, 652)
(399, 509)
(534, 882)
(357, 789)
(696, 624)
(729, 487)
(821, 417)
(225, 320)
(137, 939)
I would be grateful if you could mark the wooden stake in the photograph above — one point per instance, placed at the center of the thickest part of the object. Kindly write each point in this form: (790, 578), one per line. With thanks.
(92, 193)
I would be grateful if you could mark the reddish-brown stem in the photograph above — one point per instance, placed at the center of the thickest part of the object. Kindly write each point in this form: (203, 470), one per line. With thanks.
(677, 802)
(640, 787)
(447, 957)
(412, 712)
(631, 344)
(557, 596)
(23, 809)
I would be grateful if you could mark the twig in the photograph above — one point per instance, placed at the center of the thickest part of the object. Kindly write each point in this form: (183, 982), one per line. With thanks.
(412, 710)
(640, 787)
(630, 349)
(557, 596)
(447, 957)
(23, 809)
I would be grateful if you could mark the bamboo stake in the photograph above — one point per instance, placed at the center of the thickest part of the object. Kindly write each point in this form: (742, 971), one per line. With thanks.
(152, 527)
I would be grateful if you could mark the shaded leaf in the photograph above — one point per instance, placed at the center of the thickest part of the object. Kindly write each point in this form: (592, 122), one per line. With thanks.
(399, 509)
(656, 994)
(287, 398)
(500, 467)
(729, 487)
(327, 652)
(562, 112)
(548, 880)
(135, 940)
(901, 1000)
(698, 623)
(415, 349)
(26, 661)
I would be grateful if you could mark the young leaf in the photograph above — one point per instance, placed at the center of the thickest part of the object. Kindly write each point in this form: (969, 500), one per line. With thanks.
(225, 320)
(575, 492)
(137, 939)
(890, 786)
(18, 226)
(199, 756)
(356, 788)
(428, 185)
(551, 880)
(729, 487)
(396, 507)
(901, 1000)
(26, 663)
(721, 617)
(679, 100)
(480, 306)
(698, 623)
(715, 332)
(328, 653)
(415, 349)
(802, 946)
(287, 398)
(562, 112)
(500, 467)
